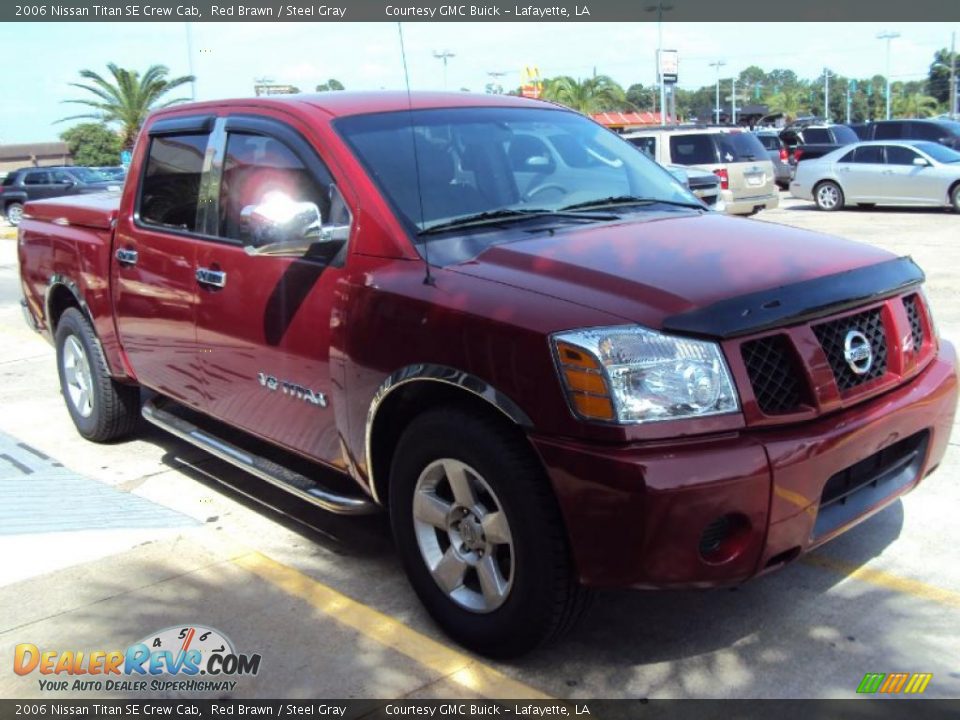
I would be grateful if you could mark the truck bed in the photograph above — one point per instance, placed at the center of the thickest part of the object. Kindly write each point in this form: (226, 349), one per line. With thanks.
(96, 210)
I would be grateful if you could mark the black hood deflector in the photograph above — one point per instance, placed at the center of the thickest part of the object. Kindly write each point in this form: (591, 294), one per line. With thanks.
(798, 302)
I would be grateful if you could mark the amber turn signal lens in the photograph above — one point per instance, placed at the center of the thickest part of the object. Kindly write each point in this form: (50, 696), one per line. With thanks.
(573, 356)
(591, 406)
(582, 381)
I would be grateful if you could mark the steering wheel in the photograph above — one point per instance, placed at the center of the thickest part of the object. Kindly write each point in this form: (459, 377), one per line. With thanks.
(543, 188)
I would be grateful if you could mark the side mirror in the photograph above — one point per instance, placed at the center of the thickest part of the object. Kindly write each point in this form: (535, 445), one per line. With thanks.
(281, 227)
(920, 162)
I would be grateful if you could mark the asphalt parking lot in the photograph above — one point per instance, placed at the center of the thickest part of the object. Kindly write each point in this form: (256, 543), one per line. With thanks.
(104, 545)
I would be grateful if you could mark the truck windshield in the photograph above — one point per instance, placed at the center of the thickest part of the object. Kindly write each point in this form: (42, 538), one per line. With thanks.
(498, 165)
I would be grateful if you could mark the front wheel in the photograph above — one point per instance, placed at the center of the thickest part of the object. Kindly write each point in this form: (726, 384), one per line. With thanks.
(14, 213)
(828, 196)
(101, 409)
(480, 534)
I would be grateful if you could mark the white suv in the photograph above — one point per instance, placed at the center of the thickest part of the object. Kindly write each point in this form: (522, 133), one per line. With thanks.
(747, 177)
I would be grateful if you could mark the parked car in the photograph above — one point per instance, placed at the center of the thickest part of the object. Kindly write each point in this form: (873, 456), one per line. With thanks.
(806, 142)
(45, 182)
(747, 177)
(909, 172)
(777, 152)
(553, 379)
(943, 131)
(704, 185)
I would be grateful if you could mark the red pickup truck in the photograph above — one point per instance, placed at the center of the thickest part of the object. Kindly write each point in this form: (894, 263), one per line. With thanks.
(552, 365)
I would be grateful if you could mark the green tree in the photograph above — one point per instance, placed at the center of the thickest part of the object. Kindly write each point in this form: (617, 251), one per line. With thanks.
(791, 101)
(128, 99)
(92, 144)
(939, 77)
(331, 84)
(915, 104)
(592, 95)
(641, 97)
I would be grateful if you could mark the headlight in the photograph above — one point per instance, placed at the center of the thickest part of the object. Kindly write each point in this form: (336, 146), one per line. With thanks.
(631, 375)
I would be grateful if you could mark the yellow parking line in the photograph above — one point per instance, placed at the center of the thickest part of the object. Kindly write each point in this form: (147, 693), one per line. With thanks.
(885, 580)
(452, 665)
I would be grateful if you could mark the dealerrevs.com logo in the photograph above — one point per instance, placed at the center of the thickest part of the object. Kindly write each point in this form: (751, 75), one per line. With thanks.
(189, 658)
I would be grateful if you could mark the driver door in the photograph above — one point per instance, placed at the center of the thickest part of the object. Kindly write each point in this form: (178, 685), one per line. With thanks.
(264, 323)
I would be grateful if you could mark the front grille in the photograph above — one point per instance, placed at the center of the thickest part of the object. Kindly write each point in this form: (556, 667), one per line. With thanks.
(911, 304)
(774, 374)
(832, 336)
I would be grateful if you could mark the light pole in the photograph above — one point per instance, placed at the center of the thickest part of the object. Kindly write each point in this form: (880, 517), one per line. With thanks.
(953, 75)
(193, 82)
(444, 55)
(888, 36)
(826, 94)
(661, 9)
(718, 64)
(733, 100)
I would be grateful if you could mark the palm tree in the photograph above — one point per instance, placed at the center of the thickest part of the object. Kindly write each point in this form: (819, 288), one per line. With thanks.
(789, 101)
(915, 105)
(129, 98)
(589, 96)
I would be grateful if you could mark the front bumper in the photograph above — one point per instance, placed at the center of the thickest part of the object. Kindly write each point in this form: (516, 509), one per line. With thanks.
(636, 514)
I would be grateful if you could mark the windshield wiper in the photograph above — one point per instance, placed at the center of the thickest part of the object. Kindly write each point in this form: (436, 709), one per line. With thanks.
(492, 217)
(619, 200)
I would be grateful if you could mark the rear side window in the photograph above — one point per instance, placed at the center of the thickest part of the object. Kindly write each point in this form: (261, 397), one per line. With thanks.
(171, 183)
(740, 147)
(646, 144)
(258, 169)
(816, 135)
(869, 154)
(769, 142)
(926, 131)
(889, 131)
(693, 149)
(10, 179)
(37, 178)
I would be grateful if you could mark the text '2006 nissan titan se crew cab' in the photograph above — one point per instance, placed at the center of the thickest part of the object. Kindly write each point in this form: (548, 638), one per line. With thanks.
(553, 366)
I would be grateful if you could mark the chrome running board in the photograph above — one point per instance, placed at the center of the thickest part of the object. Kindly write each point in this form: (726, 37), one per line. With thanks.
(274, 473)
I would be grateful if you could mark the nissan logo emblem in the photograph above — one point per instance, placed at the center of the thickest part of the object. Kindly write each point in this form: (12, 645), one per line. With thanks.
(857, 352)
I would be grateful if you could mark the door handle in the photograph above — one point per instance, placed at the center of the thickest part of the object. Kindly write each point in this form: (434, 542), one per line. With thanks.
(213, 278)
(126, 256)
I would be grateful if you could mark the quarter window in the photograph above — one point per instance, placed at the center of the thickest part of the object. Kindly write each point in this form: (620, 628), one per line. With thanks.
(171, 184)
(816, 135)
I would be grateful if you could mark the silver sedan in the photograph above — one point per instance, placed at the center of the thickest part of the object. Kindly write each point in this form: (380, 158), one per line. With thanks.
(897, 172)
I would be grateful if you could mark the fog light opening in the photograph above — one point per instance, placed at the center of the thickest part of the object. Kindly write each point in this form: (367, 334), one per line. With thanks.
(724, 538)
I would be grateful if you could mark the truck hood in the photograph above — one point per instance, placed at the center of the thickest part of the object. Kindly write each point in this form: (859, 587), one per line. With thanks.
(646, 271)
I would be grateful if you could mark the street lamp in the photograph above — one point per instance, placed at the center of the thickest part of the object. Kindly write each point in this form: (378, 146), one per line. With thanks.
(888, 36)
(661, 9)
(718, 64)
(444, 55)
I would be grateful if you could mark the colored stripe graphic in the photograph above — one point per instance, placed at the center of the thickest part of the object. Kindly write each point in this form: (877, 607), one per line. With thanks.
(871, 682)
(893, 683)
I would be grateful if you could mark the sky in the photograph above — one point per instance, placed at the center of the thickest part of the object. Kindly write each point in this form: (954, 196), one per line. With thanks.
(42, 59)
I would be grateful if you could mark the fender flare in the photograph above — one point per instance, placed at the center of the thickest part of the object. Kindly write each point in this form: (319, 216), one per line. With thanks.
(428, 372)
(60, 280)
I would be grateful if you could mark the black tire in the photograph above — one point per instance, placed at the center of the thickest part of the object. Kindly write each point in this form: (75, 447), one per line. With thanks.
(112, 410)
(543, 600)
(828, 196)
(955, 197)
(13, 212)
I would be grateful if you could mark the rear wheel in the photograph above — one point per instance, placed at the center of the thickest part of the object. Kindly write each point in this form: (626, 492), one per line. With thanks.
(480, 535)
(101, 409)
(955, 197)
(828, 196)
(14, 213)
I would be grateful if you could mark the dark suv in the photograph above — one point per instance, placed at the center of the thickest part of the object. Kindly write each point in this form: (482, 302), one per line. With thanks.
(45, 182)
(945, 132)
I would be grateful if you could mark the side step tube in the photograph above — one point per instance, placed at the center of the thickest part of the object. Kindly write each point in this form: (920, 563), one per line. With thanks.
(284, 478)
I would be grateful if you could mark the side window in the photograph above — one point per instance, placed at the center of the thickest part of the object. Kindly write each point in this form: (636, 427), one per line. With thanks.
(899, 155)
(37, 178)
(693, 150)
(926, 131)
(647, 145)
(869, 154)
(258, 167)
(171, 183)
(60, 176)
(889, 131)
(817, 135)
